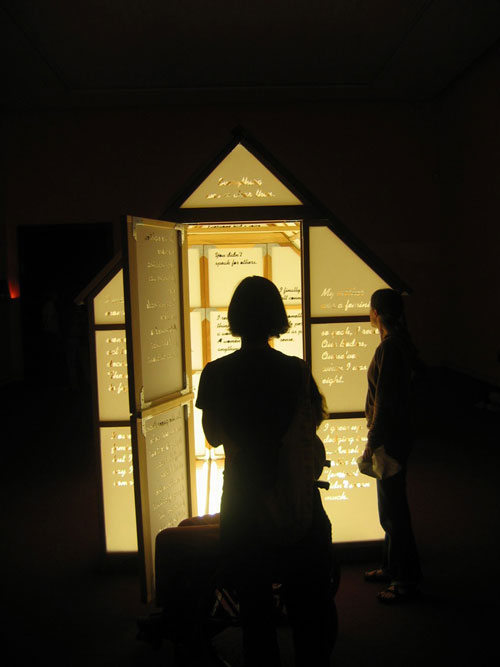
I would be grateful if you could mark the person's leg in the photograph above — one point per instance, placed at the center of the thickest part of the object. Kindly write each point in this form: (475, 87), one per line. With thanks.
(312, 615)
(384, 513)
(400, 552)
(310, 578)
(256, 604)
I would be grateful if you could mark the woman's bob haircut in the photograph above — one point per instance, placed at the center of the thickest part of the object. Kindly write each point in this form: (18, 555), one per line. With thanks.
(256, 311)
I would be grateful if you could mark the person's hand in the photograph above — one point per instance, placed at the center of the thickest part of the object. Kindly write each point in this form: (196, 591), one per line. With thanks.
(367, 454)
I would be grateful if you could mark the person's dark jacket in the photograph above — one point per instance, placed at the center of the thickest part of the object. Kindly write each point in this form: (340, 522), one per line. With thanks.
(388, 401)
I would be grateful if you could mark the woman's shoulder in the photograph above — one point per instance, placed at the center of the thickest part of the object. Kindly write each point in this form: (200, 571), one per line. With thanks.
(240, 360)
(394, 346)
(221, 366)
(288, 361)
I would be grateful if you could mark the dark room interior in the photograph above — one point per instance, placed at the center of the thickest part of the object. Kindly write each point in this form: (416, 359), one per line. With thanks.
(387, 112)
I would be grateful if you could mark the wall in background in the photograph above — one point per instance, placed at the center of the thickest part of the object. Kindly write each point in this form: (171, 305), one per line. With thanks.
(407, 180)
(470, 188)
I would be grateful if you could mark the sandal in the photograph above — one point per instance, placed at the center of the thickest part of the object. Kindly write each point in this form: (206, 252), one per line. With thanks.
(377, 575)
(396, 593)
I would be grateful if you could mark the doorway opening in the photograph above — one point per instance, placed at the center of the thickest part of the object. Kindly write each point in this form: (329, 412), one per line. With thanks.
(220, 255)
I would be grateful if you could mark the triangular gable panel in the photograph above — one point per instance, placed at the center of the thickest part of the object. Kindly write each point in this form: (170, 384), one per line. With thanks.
(241, 180)
(341, 282)
(109, 303)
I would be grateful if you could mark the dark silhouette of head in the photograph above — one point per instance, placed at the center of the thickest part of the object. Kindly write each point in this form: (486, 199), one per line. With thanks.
(390, 308)
(256, 311)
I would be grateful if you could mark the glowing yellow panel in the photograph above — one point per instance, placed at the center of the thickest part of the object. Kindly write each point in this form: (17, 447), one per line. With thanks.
(351, 501)
(341, 282)
(227, 266)
(196, 317)
(286, 273)
(118, 489)
(159, 313)
(112, 375)
(109, 304)
(200, 449)
(291, 342)
(222, 341)
(209, 483)
(202, 479)
(194, 255)
(164, 446)
(241, 180)
(340, 356)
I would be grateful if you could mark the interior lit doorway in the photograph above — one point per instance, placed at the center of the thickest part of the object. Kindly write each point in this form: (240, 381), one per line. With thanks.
(220, 256)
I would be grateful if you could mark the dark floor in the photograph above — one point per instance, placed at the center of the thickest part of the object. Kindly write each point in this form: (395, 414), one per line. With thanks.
(62, 606)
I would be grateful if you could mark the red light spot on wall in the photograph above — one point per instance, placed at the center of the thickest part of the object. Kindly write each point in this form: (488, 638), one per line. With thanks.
(14, 290)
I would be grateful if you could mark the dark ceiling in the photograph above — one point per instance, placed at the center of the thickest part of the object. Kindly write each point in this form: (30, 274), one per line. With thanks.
(77, 53)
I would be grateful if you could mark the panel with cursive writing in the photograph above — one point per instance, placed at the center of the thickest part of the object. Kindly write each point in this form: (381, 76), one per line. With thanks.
(109, 303)
(240, 180)
(291, 342)
(351, 501)
(340, 355)
(166, 457)
(341, 282)
(112, 375)
(118, 489)
(227, 267)
(222, 341)
(159, 311)
(286, 273)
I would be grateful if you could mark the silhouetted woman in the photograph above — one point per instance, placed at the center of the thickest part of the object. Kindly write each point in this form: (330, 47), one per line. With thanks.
(389, 425)
(248, 400)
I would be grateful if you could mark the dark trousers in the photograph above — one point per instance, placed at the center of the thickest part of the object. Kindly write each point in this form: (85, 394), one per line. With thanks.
(401, 560)
(311, 612)
(308, 581)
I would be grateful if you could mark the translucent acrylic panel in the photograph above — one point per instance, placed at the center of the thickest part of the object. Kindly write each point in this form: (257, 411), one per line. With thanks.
(209, 482)
(118, 489)
(351, 501)
(202, 485)
(340, 356)
(196, 317)
(159, 310)
(291, 342)
(227, 266)
(241, 180)
(200, 448)
(109, 304)
(194, 255)
(222, 341)
(167, 483)
(112, 375)
(216, 484)
(341, 282)
(286, 273)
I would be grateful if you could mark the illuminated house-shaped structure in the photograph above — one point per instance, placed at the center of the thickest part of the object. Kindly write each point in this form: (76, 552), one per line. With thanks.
(168, 296)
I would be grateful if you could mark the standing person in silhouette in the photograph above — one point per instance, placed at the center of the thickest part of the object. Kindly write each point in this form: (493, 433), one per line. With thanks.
(389, 426)
(248, 400)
